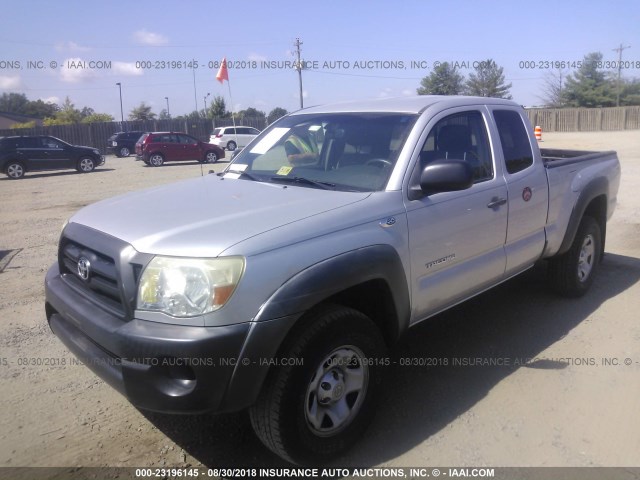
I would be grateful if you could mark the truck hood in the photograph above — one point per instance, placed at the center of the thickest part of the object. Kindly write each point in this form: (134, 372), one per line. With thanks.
(202, 217)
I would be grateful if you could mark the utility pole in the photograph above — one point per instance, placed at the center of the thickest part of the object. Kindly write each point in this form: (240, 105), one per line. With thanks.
(205, 104)
(299, 68)
(619, 50)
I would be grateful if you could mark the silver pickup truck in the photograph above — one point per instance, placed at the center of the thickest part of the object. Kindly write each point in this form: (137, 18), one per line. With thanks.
(279, 284)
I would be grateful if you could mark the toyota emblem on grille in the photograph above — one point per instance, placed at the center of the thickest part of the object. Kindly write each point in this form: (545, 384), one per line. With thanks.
(84, 267)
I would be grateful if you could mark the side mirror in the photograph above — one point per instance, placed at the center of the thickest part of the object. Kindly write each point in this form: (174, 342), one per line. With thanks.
(444, 176)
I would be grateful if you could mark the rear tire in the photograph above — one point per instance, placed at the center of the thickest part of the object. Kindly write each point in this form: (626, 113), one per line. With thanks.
(571, 274)
(15, 170)
(231, 146)
(314, 411)
(156, 160)
(210, 157)
(124, 152)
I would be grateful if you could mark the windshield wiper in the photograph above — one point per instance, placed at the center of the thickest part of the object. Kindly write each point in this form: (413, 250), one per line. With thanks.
(242, 173)
(308, 181)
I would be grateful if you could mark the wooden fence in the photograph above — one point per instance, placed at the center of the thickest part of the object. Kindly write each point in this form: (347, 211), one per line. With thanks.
(550, 119)
(585, 119)
(96, 134)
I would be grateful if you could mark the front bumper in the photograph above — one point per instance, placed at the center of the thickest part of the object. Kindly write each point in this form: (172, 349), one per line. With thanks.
(163, 367)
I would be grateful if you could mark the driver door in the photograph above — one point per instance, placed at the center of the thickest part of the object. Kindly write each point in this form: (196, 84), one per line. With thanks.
(456, 239)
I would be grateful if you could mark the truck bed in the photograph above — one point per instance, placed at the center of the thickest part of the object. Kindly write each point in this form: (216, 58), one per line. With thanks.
(553, 157)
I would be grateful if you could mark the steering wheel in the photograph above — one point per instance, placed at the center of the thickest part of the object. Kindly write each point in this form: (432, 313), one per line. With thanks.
(384, 162)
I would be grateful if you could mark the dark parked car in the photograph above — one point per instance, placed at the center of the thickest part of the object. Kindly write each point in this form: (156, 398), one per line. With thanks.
(19, 155)
(122, 144)
(158, 147)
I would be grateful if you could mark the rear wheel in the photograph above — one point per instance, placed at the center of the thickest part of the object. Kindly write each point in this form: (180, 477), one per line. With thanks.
(231, 146)
(86, 165)
(571, 274)
(124, 152)
(317, 408)
(15, 170)
(156, 160)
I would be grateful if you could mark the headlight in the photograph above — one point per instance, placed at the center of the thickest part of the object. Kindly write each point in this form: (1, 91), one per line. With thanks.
(186, 287)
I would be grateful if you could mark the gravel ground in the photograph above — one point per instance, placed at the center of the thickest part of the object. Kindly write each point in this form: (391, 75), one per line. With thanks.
(570, 406)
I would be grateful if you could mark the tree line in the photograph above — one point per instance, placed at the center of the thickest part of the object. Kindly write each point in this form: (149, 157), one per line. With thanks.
(66, 114)
(217, 109)
(589, 86)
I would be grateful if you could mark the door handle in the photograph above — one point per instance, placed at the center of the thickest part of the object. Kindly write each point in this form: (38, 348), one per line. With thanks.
(496, 202)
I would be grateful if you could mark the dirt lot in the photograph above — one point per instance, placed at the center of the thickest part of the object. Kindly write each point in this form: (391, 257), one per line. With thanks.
(565, 408)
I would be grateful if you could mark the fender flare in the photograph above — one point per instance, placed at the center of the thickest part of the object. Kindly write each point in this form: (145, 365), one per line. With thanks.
(595, 188)
(336, 274)
(300, 293)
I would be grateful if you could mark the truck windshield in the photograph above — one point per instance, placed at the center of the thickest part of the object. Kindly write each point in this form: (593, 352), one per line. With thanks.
(339, 151)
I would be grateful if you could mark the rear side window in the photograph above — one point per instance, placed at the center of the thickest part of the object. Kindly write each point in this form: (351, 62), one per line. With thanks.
(514, 139)
(229, 131)
(163, 138)
(217, 131)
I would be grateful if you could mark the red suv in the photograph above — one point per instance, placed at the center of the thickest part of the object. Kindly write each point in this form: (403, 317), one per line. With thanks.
(158, 147)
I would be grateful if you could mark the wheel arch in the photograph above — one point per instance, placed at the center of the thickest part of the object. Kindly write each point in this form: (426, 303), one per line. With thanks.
(370, 280)
(592, 202)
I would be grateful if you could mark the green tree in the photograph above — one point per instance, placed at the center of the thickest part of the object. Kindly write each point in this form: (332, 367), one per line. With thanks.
(590, 86)
(275, 114)
(14, 103)
(444, 80)
(488, 81)
(164, 115)
(252, 113)
(630, 92)
(17, 126)
(142, 112)
(67, 115)
(218, 108)
(97, 118)
(41, 109)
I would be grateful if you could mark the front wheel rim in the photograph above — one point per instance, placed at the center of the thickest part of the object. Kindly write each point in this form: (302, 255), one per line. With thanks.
(586, 258)
(211, 157)
(337, 391)
(15, 171)
(86, 165)
(156, 160)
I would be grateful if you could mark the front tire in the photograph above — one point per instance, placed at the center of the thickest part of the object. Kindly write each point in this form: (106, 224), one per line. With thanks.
(15, 170)
(86, 165)
(571, 274)
(311, 412)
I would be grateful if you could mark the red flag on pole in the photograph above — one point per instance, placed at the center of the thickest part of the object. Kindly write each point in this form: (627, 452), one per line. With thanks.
(223, 74)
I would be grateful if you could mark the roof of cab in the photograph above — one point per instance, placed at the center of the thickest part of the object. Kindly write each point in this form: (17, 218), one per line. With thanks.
(415, 104)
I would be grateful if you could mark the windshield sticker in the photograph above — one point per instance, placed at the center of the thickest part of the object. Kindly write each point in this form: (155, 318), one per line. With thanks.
(231, 175)
(239, 167)
(269, 140)
(284, 171)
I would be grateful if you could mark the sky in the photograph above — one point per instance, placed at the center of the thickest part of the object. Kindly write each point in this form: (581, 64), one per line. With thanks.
(353, 49)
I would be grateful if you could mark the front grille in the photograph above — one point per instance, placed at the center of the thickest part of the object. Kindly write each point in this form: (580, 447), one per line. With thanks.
(102, 285)
(114, 270)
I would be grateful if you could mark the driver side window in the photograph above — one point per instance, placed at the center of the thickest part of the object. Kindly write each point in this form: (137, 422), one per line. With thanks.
(462, 136)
